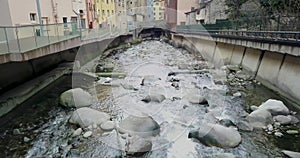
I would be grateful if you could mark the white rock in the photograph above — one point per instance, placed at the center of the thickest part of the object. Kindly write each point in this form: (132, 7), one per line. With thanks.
(77, 132)
(291, 154)
(284, 120)
(26, 139)
(76, 98)
(107, 126)
(87, 117)
(259, 118)
(138, 146)
(294, 120)
(237, 94)
(275, 107)
(278, 134)
(142, 126)
(270, 127)
(154, 98)
(87, 134)
(216, 135)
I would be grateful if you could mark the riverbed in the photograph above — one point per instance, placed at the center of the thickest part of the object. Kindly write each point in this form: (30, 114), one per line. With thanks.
(40, 127)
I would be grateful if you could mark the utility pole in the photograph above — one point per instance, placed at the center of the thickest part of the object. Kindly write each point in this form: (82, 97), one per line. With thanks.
(40, 16)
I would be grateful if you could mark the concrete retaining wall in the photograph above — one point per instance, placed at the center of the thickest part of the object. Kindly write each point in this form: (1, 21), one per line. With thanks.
(41, 60)
(278, 71)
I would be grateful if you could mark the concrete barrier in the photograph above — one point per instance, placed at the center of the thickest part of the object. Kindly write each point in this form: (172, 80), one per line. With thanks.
(276, 70)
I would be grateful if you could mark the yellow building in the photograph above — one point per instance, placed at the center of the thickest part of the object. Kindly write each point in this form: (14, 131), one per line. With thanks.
(105, 13)
(159, 9)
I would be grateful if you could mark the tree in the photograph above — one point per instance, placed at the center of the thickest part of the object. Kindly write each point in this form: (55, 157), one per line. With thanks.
(234, 7)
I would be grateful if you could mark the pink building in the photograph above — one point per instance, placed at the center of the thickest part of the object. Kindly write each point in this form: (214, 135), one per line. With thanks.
(171, 12)
(184, 6)
(90, 11)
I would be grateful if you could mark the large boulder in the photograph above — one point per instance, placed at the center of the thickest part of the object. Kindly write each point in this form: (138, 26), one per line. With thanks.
(142, 126)
(138, 146)
(259, 118)
(275, 107)
(87, 116)
(216, 135)
(75, 98)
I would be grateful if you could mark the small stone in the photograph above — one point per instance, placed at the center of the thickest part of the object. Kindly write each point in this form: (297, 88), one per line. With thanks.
(270, 127)
(108, 126)
(277, 124)
(87, 134)
(77, 132)
(158, 98)
(292, 132)
(269, 133)
(26, 139)
(16, 132)
(237, 94)
(278, 134)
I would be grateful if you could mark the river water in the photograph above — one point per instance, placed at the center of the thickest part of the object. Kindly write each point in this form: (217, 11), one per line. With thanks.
(46, 126)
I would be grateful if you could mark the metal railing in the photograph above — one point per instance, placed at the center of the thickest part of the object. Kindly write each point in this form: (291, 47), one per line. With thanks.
(17, 39)
(284, 36)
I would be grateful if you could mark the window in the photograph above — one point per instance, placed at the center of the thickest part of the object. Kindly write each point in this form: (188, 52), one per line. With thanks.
(65, 21)
(32, 16)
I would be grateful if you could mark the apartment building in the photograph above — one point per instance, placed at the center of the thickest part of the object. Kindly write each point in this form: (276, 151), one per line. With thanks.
(90, 14)
(121, 15)
(184, 6)
(171, 12)
(150, 10)
(52, 11)
(105, 13)
(159, 9)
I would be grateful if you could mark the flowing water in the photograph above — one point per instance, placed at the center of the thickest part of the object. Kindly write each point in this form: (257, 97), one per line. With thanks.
(46, 125)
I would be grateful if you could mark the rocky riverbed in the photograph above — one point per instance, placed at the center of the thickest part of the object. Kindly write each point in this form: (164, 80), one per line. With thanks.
(154, 100)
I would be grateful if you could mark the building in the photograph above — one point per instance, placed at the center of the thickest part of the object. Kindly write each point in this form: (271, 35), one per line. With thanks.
(159, 9)
(106, 13)
(121, 15)
(150, 10)
(184, 6)
(211, 11)
(191, 17)
(171, 13)
(90, 13)
(137, 11)
(52, 11)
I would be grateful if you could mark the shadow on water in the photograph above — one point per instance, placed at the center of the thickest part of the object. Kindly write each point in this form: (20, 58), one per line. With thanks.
(19, 127)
